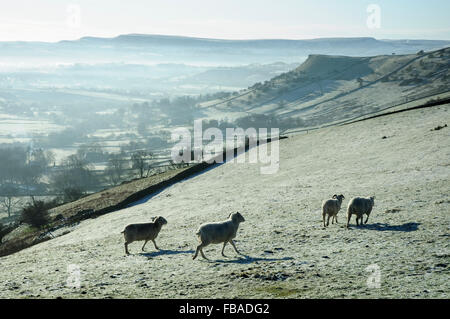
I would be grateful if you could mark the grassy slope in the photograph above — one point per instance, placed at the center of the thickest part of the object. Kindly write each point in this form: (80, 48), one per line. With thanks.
(325, 88)
(289, 254)
(113, 195)
(25, 235)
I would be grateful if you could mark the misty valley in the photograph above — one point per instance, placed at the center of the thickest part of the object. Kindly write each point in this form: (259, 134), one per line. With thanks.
(88, 127)
(81, 125)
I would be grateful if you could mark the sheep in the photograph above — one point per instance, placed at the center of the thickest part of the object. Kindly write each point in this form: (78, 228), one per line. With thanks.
(144, 231)
(360, 206)
(331, 207)
(219, 232)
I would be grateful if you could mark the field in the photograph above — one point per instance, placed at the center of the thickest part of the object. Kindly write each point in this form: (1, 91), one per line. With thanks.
(287, 253)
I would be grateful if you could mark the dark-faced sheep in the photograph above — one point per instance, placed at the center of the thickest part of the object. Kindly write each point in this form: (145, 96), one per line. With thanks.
(331, 207)
(220, 232)
(144, 231)
(360, 206)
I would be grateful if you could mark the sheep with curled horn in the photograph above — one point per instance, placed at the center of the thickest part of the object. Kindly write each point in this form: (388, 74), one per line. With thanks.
(331, 208)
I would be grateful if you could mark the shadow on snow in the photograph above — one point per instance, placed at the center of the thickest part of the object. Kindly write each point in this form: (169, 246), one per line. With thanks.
(407, 227)
(162, 252)
(248, 260)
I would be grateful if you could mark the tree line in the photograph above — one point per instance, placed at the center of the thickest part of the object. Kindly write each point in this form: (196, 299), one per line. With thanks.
(26, 172)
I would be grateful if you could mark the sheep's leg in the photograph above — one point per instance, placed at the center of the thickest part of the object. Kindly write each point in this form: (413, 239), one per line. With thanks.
(335, 218)
(224, 244)
(126, 249)
(196, 252)
(349, 216)
(234, 246)
(199, 249)
(144, 245)
(357, 220)
(324, 220)
(154, 243)
(328, 220)
(366, 219)
(203, 255)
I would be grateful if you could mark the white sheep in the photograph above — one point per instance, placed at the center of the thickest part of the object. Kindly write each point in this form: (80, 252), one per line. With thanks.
(360, 206)
(331, 207)
(220, 232)
(144, 231)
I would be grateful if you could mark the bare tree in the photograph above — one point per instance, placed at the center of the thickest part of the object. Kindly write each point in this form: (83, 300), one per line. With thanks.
(8, 198)
(139, 161)
(115, 168)
(9, 203)
(75, 179)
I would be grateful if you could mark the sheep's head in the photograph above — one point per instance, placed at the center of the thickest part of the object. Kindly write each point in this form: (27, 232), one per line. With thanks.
(160, 220)
(237, 217)
(338, 197)
(372, 200)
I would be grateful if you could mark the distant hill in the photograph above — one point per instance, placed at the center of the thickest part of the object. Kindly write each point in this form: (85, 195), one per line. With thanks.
(326, 89)
(139, 48)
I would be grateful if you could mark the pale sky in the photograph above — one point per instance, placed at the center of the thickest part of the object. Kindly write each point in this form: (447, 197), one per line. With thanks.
(54, 20)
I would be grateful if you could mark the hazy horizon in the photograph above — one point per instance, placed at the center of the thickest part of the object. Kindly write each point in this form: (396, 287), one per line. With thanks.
(53, 21)
(226, 39)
